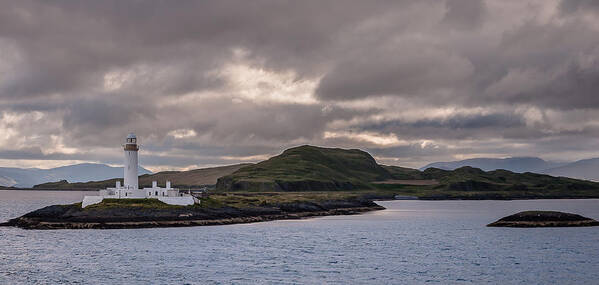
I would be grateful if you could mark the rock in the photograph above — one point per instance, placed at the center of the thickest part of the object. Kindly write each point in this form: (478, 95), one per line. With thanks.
(533, 219)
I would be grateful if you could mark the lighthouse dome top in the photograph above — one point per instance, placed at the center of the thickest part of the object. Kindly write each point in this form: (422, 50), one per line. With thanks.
(131, 138)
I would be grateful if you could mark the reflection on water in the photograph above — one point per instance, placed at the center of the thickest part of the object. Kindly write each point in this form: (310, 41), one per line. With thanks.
(410, 242)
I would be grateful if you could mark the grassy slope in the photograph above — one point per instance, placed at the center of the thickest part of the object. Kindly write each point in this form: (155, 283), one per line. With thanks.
(190, 178)
(254, 199)
(138, 203)
(308, 168)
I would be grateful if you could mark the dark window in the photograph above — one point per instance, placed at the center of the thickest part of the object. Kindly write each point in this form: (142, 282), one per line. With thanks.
(156, 193)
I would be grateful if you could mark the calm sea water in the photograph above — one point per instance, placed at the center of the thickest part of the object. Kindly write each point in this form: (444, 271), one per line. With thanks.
(412, 242)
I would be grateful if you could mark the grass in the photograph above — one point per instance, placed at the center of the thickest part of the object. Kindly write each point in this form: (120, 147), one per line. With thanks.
(311, 167)
(235, 200)
(254, 199)
(137, 203)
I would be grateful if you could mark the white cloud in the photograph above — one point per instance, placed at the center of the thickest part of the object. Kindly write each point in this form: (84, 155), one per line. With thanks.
(370, 137)
(182, 133)
(258, 85)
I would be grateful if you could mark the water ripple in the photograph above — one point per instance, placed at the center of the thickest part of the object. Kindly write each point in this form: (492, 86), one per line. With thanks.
(418, 242)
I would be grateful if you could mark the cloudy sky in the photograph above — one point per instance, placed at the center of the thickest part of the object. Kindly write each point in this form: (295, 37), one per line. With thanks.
(206, 83)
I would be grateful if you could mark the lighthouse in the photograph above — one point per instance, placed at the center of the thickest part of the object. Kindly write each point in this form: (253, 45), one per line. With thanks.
(130, 188)
(130, 169)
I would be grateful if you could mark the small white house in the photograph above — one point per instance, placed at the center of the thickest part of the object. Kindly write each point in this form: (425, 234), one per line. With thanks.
(130, 188)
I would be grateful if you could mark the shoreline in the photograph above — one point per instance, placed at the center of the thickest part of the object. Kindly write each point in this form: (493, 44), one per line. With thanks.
(377, 195)
(140, 213)
(37, 225)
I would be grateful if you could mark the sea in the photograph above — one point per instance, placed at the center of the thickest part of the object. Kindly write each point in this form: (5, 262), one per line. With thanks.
(411, 242)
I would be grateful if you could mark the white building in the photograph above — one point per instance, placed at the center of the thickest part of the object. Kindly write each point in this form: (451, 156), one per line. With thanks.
(130, 188)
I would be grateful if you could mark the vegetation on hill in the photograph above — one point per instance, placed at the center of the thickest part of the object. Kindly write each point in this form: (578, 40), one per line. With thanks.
(307, 168)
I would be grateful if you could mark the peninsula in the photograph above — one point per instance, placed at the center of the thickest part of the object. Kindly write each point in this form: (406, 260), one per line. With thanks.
(214, 210)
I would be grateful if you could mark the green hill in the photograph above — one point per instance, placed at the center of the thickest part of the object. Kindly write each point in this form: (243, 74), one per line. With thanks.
(307, 168)
(468, 182)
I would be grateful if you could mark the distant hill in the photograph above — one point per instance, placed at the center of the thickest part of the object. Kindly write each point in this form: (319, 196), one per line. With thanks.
(27, 177)
(190, 178)
(583, 169)
(307, 168)
(515, 164)
(503, 182)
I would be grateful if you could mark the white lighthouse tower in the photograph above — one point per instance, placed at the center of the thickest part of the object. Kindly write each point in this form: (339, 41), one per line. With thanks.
(130, 169)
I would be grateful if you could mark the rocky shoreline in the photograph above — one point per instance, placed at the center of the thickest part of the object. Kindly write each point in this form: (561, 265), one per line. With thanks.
(74, 217)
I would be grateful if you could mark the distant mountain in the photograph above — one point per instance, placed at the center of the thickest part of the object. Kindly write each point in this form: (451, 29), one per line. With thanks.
(514, 164)
(583, 169)
(27, 177)
(182, 179)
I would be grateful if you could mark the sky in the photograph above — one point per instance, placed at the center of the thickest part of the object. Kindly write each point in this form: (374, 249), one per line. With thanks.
(206, 83)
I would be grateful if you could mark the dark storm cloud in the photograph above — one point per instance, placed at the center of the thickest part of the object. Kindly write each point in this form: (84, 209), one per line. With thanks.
(572, 6)
(405, 72)
(459, 126)
(67, 47)
(29, 153)
(465, 14)
(76, 76)
(472, 121)
(560, 59)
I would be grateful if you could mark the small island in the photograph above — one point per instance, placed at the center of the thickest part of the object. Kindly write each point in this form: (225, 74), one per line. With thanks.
(220, 209)
(534, 219)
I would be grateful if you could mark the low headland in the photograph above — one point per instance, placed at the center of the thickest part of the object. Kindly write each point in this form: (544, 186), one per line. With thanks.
(218, 209)
(304, 181)
(536, 219)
